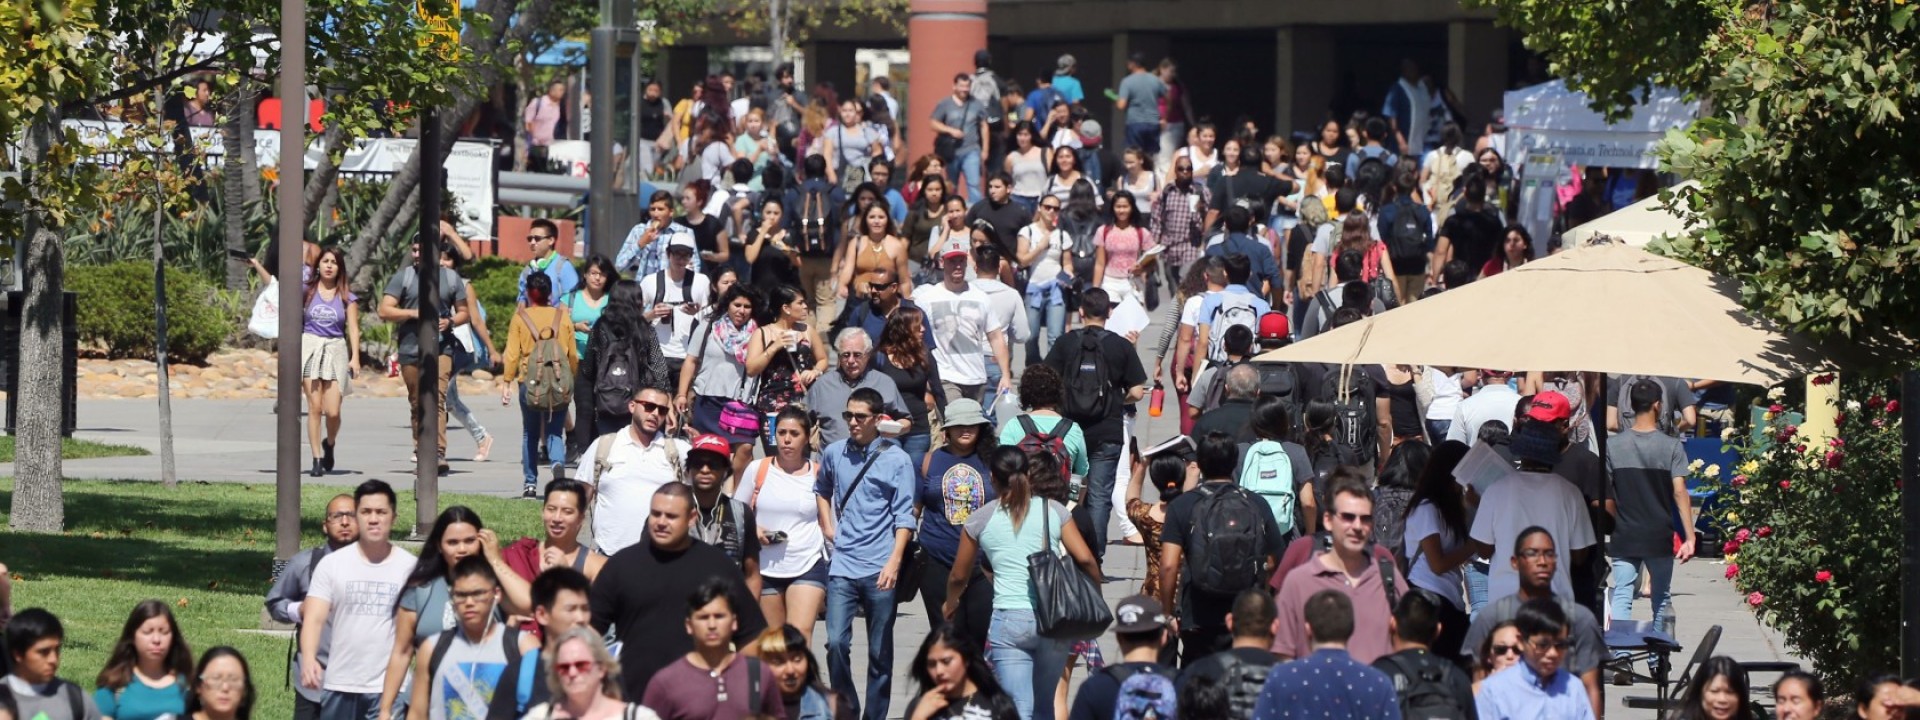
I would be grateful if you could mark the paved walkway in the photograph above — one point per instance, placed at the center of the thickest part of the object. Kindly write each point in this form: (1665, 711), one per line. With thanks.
(233, 441)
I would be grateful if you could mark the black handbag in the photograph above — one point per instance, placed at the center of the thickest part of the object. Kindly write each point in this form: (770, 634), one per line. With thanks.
(1067, 604)
(913, 569)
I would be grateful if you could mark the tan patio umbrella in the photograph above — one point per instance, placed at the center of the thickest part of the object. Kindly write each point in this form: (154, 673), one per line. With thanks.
(1600, 308)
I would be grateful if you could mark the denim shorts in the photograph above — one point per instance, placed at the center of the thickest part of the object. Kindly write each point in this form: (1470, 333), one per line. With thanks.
(815, 576)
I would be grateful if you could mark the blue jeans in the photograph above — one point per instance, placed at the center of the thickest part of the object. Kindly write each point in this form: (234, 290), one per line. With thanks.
(349, 706)
(1145, 136)
(965, 170)
(461, 412)
(1476, 586)
(1626, 581)
(1031, 203)
(1027, 665)
(1052, 315)
(1437, 430)
(917, 444)
(540, 427)
(991, 391)
(1103, 466)
(843, 595)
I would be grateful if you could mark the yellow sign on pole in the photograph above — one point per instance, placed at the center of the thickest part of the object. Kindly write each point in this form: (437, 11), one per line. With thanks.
(441, 26)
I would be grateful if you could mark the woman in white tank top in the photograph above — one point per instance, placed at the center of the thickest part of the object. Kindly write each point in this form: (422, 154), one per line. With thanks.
(1027, 163)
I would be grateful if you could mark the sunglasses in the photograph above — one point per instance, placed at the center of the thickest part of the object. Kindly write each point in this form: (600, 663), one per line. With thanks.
(1366, 519)
(1539, 646)
(852, 417)
(538, 238)
(574, 668)
(885, 285)
(1499, 650)
(1050, 208)
(651, 406)
(709, 464)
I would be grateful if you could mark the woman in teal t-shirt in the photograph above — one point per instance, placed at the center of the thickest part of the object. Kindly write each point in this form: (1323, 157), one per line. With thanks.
(147, 674)
(584, 304)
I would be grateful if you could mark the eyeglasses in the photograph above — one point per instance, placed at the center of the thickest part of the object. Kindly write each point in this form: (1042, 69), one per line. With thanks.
(459, 596)
(344, 514)
(1499, 650)
(1366, 519)
(1534, 553)
(224, 682)
(652, 407)
(852, 417)
(576, 667)
(851, 354)
(1543, 646)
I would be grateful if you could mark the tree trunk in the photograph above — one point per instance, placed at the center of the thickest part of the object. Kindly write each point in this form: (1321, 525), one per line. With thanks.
(498, 43)
(322, 183)
(37, 503)
(167, 476)
(233, 193)
(777, 28)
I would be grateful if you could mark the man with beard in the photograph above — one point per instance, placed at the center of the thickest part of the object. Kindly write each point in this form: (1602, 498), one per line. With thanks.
(624, 467)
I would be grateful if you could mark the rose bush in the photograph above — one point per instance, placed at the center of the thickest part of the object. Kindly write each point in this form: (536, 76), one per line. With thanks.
(1814, 532)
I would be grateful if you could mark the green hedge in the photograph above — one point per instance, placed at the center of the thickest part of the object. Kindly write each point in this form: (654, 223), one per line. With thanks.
(116, 313)
(496, 282)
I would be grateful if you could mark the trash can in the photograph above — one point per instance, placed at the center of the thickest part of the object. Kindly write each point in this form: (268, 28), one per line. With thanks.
(69, 357)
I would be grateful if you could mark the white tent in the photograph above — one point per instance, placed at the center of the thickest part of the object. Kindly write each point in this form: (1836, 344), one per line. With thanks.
(1550, 117)
(1635, 225)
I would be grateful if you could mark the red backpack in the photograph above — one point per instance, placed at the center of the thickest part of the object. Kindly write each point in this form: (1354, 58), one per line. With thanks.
(1052, 442)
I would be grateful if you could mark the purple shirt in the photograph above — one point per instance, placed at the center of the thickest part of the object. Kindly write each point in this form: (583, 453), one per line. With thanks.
(327, 318)
(684, 692)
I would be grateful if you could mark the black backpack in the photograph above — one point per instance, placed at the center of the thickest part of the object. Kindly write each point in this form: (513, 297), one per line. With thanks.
(1355, 439)
(1228, 540)
(816, 232)
(1083, 235)
(1408, 236)
(1243, 681)
(1427, 695)
(1089, 381)
(616, 376)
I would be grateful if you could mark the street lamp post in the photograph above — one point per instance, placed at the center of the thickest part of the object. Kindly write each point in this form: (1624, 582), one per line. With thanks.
(293, 129)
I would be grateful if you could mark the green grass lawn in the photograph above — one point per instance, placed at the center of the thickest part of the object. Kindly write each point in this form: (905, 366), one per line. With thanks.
(72, 449)
(205, 549)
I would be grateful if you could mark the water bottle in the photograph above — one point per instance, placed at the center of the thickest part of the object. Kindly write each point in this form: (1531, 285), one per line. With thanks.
(1159, 398)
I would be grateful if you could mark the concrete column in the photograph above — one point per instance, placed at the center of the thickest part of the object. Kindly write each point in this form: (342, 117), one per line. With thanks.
(1476, 68)
(1154, 47)
(942, 36)
(831, 62)
(1304, 88)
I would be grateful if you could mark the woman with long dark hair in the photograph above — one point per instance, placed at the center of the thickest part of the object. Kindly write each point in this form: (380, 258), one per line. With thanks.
(541, 428)
(901, 353)
(329, 342)
(785, 355)
(953, 488)
(1516, 249)
(621, 337)
(425, 607)
(222, 687)
(585, 304)
(927, 213)
(798, 672)
(876, 247)
(149, 670)
(779, 488)
(715, 371)
(1066, 172)
(1873, 698)
(1118, 261)
(771, 260)
(955, 682)
(1393, 494)
(1435, 542)
(483, 356)
(1718, 691)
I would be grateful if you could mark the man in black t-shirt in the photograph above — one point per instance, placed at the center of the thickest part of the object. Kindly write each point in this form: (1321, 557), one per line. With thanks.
(1471, 235)
(1243, 667)
(1140, 628)
(1202, 625)
(1127, 383)
(997, 218)
(1413, 667)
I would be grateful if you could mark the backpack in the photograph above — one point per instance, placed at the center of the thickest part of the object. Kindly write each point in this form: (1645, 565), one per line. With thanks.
(1278, 380)
(549, 376)
(76, 702)
(816, 239)
(1052, 442)
(1445, 173)
(1089, 384)
(1144, 694)
(1234, 309)
(1408, 235)
(1227, 540)
(1243, 681)
(1355, 440)
(1217, 385)
(1085, 238)
(1267, 471)
(1427, 695)
(1390, 521)
(616, 377)
(509, 637)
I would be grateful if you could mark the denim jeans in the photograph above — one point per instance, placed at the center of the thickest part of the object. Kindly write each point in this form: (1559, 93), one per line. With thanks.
(461, 412)
(1052, 316)
(917, 444)
(540, 428)
(1027, 665)
(1103, 462)
(1031, 203)
(965, 170)
(991, 391)
(1145, 136)
(1476, 586)
(1626, 581)
(843, 596)
(349, 706)
(1437, 430)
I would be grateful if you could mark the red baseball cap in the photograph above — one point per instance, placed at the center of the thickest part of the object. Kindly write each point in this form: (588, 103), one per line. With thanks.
(710, 443)
(1273, 326)
(1550, 406)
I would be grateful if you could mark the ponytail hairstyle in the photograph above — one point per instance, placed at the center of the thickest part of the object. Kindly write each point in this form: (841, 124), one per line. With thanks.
(1009, 468)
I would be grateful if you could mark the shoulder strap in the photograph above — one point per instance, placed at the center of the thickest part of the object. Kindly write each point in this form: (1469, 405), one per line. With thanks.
(1386, 579)
(1027, 426)
(528, 319)
(440, 645)
(872, 455)
(759, 481)
(1059, 431)
(600, 454)
(523, 685)
(753, 687)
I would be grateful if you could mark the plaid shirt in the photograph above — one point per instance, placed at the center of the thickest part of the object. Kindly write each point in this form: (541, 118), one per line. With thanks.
(1177, 222)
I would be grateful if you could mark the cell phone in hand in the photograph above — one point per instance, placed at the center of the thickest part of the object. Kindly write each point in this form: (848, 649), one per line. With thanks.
(239, 254)
(776, 537)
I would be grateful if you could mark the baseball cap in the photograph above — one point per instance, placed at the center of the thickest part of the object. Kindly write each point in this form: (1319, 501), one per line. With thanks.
(1065, 63)
(1536, 441)
(1550, 406)
(1090, 129)
(1273, 327)
(708, 442)
(1138, 614)
(953, 246)
(681, 241)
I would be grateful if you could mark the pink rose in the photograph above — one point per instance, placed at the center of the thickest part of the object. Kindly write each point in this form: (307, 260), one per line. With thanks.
(1836, 442)
(1765, 531)
(1823, 379)
(1786, 484)
(1822, 576)
(1776, 409)
(1834, 458)
(1729, 548)
(1893, 406)
(1755, 599)
(1739, 480)
(1839, 418)
(1741, 535)
(1788, 432)
(1879, 423)
(1732, 570)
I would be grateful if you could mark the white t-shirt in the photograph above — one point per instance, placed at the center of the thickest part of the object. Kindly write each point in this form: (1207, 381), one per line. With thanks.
(623, 499)
(785, 503)
(1520, 501)
(1447, 394)
(1190, 312)
(1424, 522)
(961, 322)
(678, 328)
(1046, 267)
(363, 595)
(1009, 308)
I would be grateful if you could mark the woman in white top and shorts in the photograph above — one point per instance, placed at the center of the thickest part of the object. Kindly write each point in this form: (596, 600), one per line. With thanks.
(793, 558)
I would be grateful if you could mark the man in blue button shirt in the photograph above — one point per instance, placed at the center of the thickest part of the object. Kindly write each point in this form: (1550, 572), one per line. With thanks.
(1265, 278)
(866, 509)
(1538, 687)
(1328, 684)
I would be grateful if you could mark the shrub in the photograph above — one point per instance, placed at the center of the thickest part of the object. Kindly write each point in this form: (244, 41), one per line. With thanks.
(116, 313)
(1812, 531)
(497, 287)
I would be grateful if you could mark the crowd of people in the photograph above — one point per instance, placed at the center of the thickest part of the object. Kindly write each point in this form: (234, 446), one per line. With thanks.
(802, 388)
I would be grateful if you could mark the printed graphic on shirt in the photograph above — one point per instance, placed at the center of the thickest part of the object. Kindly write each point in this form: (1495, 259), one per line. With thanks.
(468, 688)
(959, 326)
(370, 598)
(964, 491)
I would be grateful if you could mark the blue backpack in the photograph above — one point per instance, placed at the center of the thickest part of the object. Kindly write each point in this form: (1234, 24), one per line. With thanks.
(1145, 694)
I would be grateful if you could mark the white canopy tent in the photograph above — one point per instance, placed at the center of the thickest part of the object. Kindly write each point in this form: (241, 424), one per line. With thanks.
(1635, 225)
(1549, 117)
